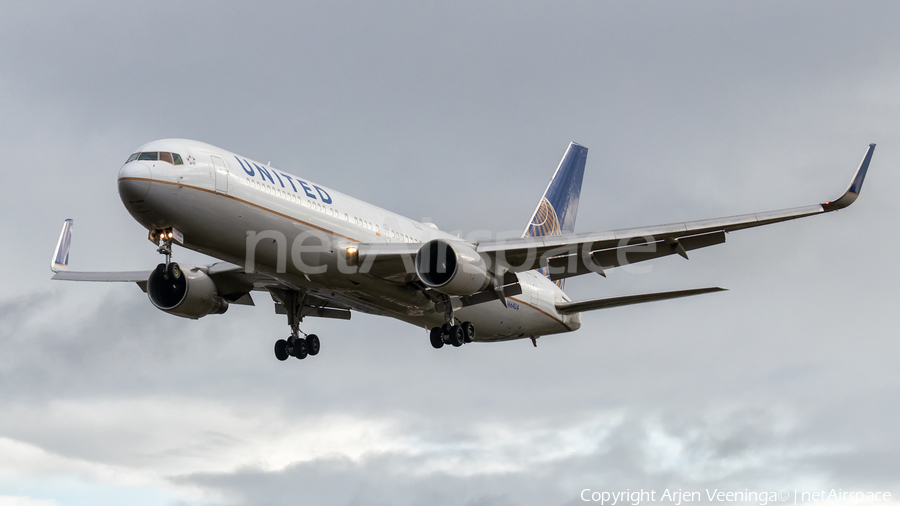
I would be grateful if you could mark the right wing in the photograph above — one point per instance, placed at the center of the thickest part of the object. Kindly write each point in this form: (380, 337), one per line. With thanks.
(104, 277)
(59, 264)
(232, 282)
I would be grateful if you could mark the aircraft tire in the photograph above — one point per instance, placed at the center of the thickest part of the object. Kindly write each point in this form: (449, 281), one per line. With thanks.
(280, 350)
(173, 271)
(468, 331)
(312, 344)
(437, 337)
(456, 336)
(300, 350)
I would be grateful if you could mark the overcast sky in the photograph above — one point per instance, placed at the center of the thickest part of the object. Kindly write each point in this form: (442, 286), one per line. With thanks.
(459, 112)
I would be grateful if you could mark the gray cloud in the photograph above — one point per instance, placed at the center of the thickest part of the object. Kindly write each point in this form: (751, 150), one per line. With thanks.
(747, 449)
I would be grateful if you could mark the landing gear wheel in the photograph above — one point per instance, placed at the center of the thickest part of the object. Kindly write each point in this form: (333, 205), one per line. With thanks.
(312, 344)
(437, 337)
(173, 271)
(456, 336)
(281, 350)
(468, 331)
(299, 349)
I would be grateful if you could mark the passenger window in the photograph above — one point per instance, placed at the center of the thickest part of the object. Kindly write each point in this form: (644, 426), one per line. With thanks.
(177, 158)
(132, 157)
(166, 157)
(150, 155)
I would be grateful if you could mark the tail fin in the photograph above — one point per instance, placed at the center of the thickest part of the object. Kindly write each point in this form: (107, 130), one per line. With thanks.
(60, 260)
(555, 213)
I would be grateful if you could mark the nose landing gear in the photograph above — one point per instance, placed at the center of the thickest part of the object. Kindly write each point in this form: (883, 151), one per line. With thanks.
(164, 239)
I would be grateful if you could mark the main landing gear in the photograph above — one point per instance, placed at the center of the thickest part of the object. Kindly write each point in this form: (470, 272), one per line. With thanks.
(452, 333)
(294, 345)
(455, 335)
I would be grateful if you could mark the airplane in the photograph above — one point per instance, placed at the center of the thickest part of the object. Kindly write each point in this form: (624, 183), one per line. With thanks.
(320, 253)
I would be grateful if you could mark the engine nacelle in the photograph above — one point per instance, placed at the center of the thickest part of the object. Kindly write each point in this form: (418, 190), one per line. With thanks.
(188, 293)
(451, 267)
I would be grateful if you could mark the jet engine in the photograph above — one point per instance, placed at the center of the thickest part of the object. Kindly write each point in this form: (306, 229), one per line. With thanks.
(451, 267)
(188, 293)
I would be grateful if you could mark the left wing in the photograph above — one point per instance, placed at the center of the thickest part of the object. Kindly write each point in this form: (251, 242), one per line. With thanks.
(575, 254)
(592, 252)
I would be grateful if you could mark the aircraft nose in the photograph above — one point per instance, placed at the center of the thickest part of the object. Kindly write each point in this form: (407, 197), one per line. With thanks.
(134, 181)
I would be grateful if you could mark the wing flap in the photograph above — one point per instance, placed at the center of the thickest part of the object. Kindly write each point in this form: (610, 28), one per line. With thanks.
(391, 261)
(566, 266)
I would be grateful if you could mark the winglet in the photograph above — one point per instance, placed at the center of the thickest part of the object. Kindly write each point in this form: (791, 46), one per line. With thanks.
(60, 260)
(852, 192)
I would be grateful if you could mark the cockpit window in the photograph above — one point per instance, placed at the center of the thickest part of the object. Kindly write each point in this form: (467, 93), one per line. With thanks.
(163, 156)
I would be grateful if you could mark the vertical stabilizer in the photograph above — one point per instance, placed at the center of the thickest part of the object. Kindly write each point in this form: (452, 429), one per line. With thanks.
(556, 211)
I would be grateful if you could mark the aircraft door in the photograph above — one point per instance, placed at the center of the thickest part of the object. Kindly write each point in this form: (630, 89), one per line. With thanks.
(531, 289)
(221, 174)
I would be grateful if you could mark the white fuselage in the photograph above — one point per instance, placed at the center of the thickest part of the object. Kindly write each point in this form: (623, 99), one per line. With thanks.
(216, 199)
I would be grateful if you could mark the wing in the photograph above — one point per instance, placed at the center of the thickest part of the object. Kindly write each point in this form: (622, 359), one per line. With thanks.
(59, 264)
(592, 252)
(575, 254)
(233, 284)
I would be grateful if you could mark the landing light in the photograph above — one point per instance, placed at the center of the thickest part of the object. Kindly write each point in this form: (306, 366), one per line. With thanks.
(352, 255)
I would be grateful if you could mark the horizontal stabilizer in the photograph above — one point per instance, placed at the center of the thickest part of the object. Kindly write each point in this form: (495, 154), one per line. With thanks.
(590, 305)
